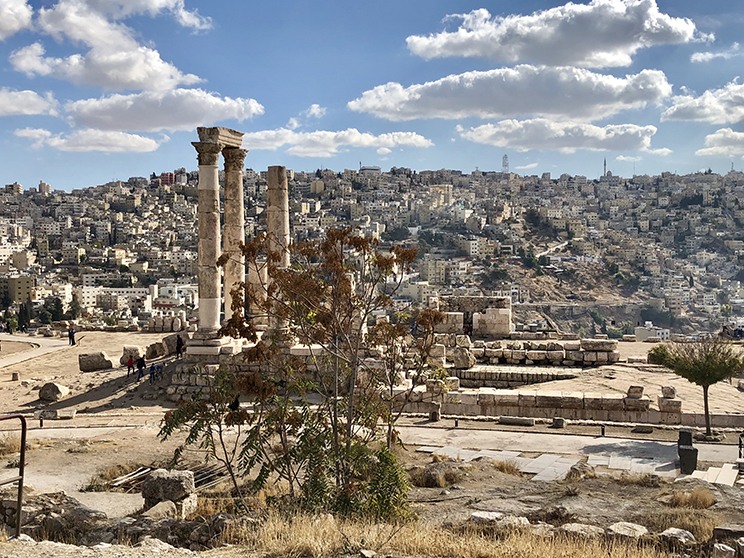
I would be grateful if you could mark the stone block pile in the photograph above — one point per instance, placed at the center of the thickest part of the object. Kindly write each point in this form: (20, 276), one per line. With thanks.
(464, 353)
(188, 381)
(165, 324)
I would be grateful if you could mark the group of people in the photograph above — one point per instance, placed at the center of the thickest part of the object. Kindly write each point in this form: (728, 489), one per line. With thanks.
(156, 370)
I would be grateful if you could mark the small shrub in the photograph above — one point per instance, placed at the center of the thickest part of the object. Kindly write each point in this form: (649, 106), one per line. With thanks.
(640, 479)
(699, 499)
(509, 467)
(698, 522)
(9, 444)
(435, 475)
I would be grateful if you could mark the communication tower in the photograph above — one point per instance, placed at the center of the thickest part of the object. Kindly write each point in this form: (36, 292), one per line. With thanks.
(505, 164)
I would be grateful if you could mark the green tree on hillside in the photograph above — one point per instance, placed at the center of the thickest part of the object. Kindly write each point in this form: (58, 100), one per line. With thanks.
(701, 362)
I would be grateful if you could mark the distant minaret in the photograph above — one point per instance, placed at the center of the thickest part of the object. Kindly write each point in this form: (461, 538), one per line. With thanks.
(605, 167)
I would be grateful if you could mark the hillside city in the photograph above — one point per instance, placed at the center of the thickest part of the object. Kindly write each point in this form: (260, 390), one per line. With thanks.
(648, 255)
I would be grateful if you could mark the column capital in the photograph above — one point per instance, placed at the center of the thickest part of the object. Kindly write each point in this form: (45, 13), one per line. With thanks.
(234, 158)
(207, 153)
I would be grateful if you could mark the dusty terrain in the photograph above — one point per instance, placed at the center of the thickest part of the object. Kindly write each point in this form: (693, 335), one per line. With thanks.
(118, 420)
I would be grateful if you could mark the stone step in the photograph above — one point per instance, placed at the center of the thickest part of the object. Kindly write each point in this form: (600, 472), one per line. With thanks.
(727, 475)
(699, 474)
(712, 474)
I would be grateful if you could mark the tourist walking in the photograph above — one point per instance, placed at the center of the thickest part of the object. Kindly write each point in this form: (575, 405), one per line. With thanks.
(141, 368)
(179, 346)
(130, 365)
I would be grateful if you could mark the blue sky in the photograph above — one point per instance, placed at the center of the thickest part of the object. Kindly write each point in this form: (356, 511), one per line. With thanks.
(95, 90)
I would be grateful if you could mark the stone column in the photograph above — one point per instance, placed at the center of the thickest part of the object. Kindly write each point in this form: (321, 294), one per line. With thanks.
(208, 215)
(277, 213)
(234, 223)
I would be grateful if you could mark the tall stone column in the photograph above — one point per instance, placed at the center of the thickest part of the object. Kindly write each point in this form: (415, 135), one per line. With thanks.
(234, 223)
(208, 215)
(277, 213)
(277, 222)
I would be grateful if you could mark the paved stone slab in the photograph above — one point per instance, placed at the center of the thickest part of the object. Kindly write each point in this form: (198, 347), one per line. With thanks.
(668, 469)
(498, 455)
(699, 474)
(567, 461)
(619, 462)
(468, 455)
(727, 475)
(712, 474)
(449, 451)
(540, 463)
(522, 462)
(428, 449)
(599, 460)
(552, 473)
(642, 466)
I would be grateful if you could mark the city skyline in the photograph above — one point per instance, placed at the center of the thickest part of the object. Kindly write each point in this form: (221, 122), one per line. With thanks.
(96, 90)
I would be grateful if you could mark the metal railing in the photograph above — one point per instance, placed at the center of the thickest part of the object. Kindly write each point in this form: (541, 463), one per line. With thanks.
(21, 467)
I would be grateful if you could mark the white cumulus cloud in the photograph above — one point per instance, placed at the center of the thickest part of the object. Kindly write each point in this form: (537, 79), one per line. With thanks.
(115, 59)
(152, 111)
(724, 142)
(602, 33)
(315, 111)
(717, 106)
(90, 140)
(527, 167)
(323, 143)
(523, 90)
(628, 159)
(725, 54)
(25, 102)
(14, 16)
(566, 137)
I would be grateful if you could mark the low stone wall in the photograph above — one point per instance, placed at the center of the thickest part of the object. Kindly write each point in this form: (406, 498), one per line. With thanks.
(489, 402)
(497, 377)
(586, 352)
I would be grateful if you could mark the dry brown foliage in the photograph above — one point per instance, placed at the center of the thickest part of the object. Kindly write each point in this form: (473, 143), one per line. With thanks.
(9, 444)
(699, 499)
(640, 479)
(509, 467)
(698, 522)
(322, 535)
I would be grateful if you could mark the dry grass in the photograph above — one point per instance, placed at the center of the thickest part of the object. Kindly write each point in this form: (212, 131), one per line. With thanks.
(698, 522)
(437, 474)
(221, 499)
(509, 467)
(699, 499)
(100, 481)
(640, 479)
(316, 536)
(9, 444)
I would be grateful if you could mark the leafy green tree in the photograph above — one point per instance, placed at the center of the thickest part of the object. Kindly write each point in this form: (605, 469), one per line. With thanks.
(75, 310)
(55, 309)
(701, 362)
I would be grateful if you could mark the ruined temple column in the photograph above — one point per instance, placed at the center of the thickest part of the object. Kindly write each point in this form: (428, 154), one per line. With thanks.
(234, 223)
(277, 221)
(208, 215)
(277, 213)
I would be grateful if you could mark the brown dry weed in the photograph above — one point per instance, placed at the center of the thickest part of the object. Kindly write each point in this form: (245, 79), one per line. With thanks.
(323, 535)
(699, 499)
